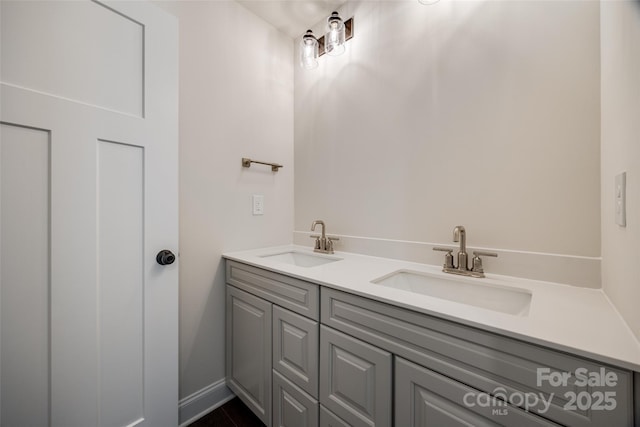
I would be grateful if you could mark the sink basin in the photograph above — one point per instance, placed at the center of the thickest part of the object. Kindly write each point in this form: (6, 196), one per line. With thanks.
(301, 259)
(464, 290)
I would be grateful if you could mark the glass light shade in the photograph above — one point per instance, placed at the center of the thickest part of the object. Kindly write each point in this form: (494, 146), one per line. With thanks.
(427, 2)
(334, 38)
(309, 51)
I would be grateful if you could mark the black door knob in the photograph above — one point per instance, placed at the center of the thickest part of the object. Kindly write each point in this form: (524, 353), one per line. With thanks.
(165, 257)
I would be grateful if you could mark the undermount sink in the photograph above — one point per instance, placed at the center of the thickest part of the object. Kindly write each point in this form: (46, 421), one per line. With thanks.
(301, 259)
(464, 290)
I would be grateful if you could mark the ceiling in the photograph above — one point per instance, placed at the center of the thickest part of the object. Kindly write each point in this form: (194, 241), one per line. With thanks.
(292, 17)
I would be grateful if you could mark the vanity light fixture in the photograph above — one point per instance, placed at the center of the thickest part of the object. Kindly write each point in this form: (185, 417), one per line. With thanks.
(332, 43)
(309, 51)
(428, 2)
(335, 36)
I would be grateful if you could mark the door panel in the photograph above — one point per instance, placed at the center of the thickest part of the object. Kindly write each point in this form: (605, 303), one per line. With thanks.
(24, 274)
(111, 123)
(66, 65)
(120, 282)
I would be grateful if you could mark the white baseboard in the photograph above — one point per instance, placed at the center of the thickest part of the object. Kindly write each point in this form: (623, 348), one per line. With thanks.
(200, 403)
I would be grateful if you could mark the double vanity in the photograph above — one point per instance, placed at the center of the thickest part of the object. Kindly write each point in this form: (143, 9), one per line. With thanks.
(351, 340)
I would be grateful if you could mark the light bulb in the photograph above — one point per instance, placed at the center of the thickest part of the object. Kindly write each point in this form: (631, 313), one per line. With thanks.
(309, 51)
(334, 38)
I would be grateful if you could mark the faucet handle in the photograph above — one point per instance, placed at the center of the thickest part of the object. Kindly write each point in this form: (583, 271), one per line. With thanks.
(329, 244)
(477, 261)
(448, 257)
(483, 253)
(317, 244)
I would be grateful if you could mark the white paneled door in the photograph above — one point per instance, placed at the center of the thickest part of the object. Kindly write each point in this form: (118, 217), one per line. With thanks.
(88, 197)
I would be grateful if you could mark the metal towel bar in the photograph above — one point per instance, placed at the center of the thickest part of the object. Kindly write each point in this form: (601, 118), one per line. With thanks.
(247, 163)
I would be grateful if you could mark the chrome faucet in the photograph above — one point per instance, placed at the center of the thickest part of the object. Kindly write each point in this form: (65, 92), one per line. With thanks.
(323, 243)
(460, 235)
(476, 270)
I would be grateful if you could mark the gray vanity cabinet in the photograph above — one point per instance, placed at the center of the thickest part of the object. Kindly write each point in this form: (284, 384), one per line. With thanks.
(293, 294)
(489, 363)
(248, 351)
(355, 379)
(292, 407)
(303, 355)
(424, 398)
(272, 336)
(295, 349)
(329, 419)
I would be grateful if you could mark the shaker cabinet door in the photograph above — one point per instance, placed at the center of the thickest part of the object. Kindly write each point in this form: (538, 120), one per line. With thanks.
(248, 352)
(424, 398)
(355, 379)
(292, 407)
(295, 349)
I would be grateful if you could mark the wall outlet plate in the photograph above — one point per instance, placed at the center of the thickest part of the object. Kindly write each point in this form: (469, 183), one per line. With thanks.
(621, 199)
(258, 204)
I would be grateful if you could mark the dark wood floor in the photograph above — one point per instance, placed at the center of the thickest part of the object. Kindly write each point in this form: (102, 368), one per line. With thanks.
(234, 413)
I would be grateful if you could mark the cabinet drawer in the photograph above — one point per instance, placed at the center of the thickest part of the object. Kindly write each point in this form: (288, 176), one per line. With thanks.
(292, 407)
(483, 360)
(355, 379)
(424, 398)
(295, 349)
(329, 419)
(296, 295)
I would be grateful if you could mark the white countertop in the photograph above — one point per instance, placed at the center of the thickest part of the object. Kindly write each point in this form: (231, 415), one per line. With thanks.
(578, 320)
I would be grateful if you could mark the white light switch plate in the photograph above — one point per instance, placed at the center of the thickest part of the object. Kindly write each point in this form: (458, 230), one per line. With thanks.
(621, 199)
(258, 204)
